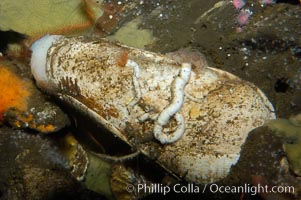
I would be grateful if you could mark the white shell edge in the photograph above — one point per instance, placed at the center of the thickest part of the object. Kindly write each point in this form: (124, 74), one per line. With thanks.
(39, 58)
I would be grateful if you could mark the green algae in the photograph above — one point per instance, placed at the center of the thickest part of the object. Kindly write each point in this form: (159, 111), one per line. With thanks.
(131, 35)
(289, 130)
(37, 17)
(98, 176)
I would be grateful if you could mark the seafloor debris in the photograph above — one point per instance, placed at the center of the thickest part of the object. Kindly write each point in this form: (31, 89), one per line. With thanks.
(76, 156)
(124, 182)
(263, 161)
(32, 167)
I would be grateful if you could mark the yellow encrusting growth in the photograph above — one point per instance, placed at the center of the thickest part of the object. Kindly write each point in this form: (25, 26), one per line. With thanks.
(13, 91)
(21, 119)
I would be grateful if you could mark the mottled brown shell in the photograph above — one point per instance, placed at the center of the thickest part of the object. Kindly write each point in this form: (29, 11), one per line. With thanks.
(219, 109)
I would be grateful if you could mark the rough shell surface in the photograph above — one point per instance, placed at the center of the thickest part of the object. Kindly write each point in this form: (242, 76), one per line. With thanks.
(219, 109)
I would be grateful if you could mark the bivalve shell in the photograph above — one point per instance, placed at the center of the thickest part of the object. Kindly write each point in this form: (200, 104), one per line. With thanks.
(191, 120)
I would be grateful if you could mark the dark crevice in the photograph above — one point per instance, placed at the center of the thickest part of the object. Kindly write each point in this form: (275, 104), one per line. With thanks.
(293, 2)
(281, 85)
(9, 37)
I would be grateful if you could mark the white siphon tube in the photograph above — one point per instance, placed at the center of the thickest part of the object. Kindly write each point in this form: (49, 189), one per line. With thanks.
(177, 90)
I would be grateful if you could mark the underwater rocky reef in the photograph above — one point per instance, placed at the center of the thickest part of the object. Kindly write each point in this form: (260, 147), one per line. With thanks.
(138, 99)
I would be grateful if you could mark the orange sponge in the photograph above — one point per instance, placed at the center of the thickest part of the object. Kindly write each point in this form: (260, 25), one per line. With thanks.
(13, 91)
